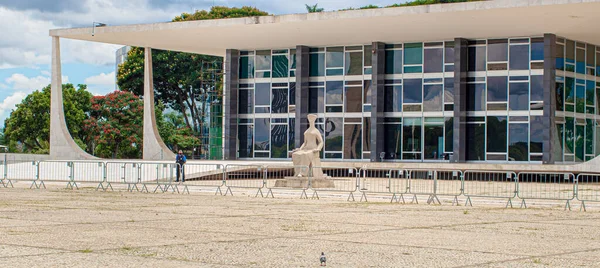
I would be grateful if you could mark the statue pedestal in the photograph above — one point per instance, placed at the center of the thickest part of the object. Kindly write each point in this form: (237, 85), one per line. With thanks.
(302, 183)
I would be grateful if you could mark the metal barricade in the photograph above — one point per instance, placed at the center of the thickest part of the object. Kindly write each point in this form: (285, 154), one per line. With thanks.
(449, 183)
(89, 172)
(422, 182)
(160, 174)
(23, 171)
(383, 181)
(3, 172)
(546, 186)
(335, 179)
(588, 189)
(283, 177)
(490, 184)
(245, 177)
(203, 175)
(127, 173)
(57, 171)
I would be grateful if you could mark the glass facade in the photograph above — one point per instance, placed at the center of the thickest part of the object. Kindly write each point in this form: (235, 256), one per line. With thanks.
(577, 103)
(504, 101)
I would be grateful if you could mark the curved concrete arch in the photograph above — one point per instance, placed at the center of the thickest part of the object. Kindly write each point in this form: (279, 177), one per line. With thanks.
(154, 147)
(62, 145)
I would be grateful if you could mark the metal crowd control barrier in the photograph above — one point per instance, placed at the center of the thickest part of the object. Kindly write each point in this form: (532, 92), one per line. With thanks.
(449, 183)
(23, 171)
(490, 184)
(245, 177)
(383, 181)
(3, 172)
(203, 175)
(588, 189)
(422, 182)
(546, 186)
(89, 172)
(57, 171)
(123, 173)
(159, 174)
(345, 179)
(282, 177)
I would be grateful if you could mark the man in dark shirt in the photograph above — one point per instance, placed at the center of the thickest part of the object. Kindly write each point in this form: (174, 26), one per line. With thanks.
(180, 160)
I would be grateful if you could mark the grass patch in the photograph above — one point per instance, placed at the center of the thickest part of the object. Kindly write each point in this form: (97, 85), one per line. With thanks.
(466, 212)
(87, 250)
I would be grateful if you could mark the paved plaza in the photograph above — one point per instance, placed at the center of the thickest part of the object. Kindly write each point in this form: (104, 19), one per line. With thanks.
(85, 228)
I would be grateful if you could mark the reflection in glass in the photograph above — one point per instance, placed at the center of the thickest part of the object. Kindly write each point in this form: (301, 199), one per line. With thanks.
(413, 53)
(246, 67)
(280, 66)
(335, 57)
(354, 63)
(569, 135)
(560, 95)
(536, 144)
(518, 148)
(263, 60)
(432, 98)
(413, 90)
(292, 93)
(352, 141)
(569, 90)
(411, 141)
(393, 141)
(449, 90)
(475, 97)
(449, 52)
(580, 98)
(476, 146)
(589, 136)
(279, 141)
(393, 61)
(498, 50)
(434, 60)
(537, 49)
(496, 134)
(292, 137)
(316, 100)
(263, 94)
(449, 134)
(393, 99)
(537, 88)
(434, 142)
(333, 134)
(579, 140)
(497, 88)
(368, 85)
(519, 97)
(334, 94)
(367, 134)
(246, 103)
(279, 103)
(317, 64)
(519, 57)
(477, 59)
(353, 100)
(245, 141)
(262, 127)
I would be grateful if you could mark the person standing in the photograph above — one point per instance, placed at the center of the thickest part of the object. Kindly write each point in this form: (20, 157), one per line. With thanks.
(180, 160)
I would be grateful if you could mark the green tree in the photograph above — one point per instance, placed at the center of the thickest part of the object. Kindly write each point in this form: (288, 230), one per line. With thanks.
(27, 129)
(314, 8)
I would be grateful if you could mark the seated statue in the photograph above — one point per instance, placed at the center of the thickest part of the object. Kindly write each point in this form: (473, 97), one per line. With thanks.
(308, 154)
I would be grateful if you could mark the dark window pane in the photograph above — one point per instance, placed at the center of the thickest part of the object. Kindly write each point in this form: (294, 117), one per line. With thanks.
(518, 148)
(280, 66)
(413, 90)
(279, 103)
(245, 140)
(292, 136)
(246, 67)
(569, 135)
(580, 57)
(368, 55)
(569, 90)
(367, 91)
(263, 60)
(570, 52)
(366, 134)
(580, 98)
(432, 98)
(475, 97)
(352, 141)
(354, 64)
(246, 101)
(519, 97)
(589, 136)
(579, 140)
(519, 57)
(476, 146)
(498, 50)
(537, 49)
(393, 61)
(333, 134)
(496, 134)
(334, 57)
(262, 127)
(497, 88)
(393, 99)
(353, 100)
(434, 142)
(413, 53)
(477, 61)
(434, 60)
(560, 96)
(393, 141)
(263, 93)
(560, 132)
(412, 135)
(449, 54)
(317, 64)
(279, 141)
(537, 88)
(293, 59)
(449, 90)
(333, 94)
(316, 100)
(560, 57)
(590, 88)
(449, 134)
(292, 96)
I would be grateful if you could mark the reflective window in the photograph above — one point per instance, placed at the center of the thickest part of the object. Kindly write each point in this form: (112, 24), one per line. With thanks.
(335, 57)
(245, 141)
(292, 94)
(475, 97)
(518, 141)
(263, 60)
(477, 58)
(262, 127)
(317, 64)
(498, 50)
(292, 136)
(537, 87)
(434, 60)
(449, 133)
(316, 100)
(367, 134)
(476, 146)
(449, 90)
(354, 63)
(579, 140)
(569, 135)
(393, 141)
(353, 100)
(246, 67)
(496, 134)
(393, 99)
(413, 53)
(497, 88)
(449, 52)
(519, 96)
(263, 94)
(333, 134)
(519, 57)
(537, 49)
(432, 98)
(434, 142)
(279, 141)
(560, 96)
(412, 135)
(393, 61)
(279, 102)
(413, 90)
(246, 101)
(280, 66)
(334, 94)
(352, 141)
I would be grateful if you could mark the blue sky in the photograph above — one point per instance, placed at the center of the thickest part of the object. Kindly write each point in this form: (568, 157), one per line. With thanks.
(25, 46)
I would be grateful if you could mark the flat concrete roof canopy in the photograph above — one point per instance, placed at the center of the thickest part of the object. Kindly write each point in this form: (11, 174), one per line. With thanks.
(575, 19)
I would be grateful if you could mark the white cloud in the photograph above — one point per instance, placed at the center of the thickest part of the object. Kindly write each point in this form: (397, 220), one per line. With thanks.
(10, 103)
(46, 73)
(28, 84)
(3, 86)
(101, 79)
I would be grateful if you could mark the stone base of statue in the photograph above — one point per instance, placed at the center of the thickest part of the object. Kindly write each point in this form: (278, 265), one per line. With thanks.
(302, 183)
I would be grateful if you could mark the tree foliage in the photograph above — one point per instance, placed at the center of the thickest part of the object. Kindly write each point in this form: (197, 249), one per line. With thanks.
(220, 12)
(414, 3)
(314, 8)
(27, 129)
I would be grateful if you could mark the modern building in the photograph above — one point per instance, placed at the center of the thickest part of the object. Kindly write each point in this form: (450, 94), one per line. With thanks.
(494, 81)
(120, 57)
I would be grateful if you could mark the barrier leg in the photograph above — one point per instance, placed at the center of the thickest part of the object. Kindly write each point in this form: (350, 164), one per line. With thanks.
(433, 198)
(415, 200)
(455, 201)
(42, 184)
(100, 185)
(351, 195)
(270, 192)
(394, 197)
(583, 206)
(185, 188)
(228, 191)
(108, 185)
(3, 184)
(523, 204)
(568, 205)
(259, 191)
(468, 202)
(315, 195)
(303, 195)
(219, 191)
(509, 202)
(364, 195)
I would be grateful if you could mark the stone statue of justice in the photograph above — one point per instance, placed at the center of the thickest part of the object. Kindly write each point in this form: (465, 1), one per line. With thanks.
(308, 154)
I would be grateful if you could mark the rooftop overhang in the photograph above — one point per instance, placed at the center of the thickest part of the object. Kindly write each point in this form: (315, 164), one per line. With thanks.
(574, 19)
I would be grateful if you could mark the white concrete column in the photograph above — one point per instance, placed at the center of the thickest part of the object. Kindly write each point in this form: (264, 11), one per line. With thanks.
(154, 146)
(62, 145)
